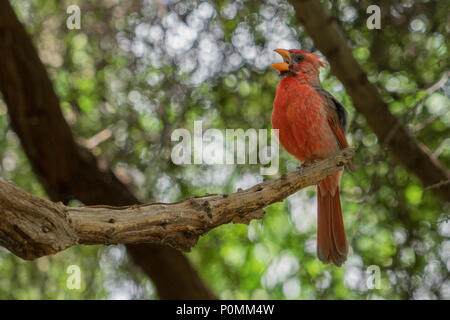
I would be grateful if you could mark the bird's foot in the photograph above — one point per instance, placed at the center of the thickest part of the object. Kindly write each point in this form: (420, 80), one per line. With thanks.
(305, 165)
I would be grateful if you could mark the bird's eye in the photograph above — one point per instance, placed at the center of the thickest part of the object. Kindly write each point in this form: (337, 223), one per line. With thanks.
(298, 58)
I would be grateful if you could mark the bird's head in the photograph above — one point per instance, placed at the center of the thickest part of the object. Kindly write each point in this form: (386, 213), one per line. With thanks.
(298, 62)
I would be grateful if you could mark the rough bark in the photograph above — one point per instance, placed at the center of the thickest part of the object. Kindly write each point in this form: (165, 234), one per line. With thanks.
(66, 170)
(31, 227)
(409, 152)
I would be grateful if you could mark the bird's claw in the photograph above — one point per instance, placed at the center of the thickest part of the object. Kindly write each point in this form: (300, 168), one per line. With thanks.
(304, 165)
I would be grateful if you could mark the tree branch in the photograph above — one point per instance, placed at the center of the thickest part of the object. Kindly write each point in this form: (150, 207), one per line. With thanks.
(31, 227)
(331, 41)
(68, 171)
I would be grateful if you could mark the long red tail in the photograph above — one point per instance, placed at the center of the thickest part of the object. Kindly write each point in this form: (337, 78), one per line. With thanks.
(331, 241)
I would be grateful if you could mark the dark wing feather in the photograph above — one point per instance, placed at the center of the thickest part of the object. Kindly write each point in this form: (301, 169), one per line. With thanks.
(342, 114)
(342, 117)
(336, 105)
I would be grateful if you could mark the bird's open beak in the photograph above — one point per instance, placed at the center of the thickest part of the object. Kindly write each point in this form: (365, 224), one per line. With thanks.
(282, 66)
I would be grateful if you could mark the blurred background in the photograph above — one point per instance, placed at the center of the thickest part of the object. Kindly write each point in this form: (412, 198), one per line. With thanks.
(137, 70)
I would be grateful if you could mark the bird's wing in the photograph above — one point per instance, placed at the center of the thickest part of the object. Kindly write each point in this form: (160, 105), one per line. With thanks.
(337, 119)
(337, 116)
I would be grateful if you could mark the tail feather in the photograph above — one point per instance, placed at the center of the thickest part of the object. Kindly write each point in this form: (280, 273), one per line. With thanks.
(331, 240)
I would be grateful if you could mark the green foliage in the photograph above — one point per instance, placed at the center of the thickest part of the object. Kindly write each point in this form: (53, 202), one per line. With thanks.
(141, 70)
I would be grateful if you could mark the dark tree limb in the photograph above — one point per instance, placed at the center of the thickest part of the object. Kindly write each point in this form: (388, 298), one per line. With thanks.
(31, 227)
(408, 151)
(66, 170)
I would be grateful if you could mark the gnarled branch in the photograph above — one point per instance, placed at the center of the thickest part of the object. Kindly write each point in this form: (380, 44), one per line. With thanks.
(31, 227)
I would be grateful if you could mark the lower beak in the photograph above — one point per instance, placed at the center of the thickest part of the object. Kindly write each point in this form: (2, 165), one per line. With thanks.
(282, 66)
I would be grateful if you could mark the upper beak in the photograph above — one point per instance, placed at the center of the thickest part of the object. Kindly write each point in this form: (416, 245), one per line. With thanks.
(282, 66)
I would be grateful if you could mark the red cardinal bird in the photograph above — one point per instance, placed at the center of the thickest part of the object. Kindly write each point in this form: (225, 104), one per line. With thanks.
(311, 125)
